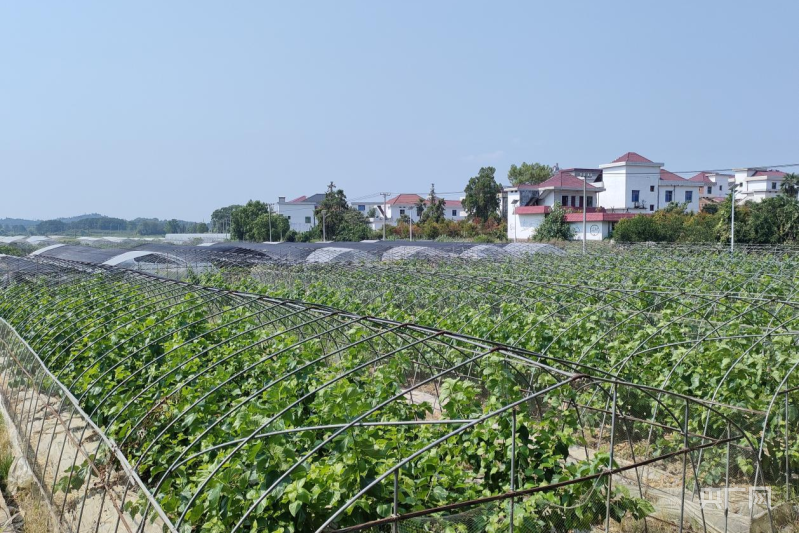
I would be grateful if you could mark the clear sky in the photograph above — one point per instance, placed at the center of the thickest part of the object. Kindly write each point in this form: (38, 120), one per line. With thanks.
(171, 109)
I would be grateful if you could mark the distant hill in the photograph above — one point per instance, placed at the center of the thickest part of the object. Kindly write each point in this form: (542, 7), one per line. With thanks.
(28, 223)
(18, 222)
(81, 217)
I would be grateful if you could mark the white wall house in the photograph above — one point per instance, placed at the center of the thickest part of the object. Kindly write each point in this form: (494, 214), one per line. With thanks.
(757, 184)
(405, 204)
(300, 211)
(635, 184)
(528, 205)
(715, 187)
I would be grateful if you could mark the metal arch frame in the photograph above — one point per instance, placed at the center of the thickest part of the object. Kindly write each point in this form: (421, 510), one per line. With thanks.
(356, 420)
(106, 441)
(750, 306)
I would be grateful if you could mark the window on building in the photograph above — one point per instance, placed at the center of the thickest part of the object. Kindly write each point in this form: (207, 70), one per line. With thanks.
(636, 196)
(710, 189)
(564, 200)
(402, 212)
(669, 196)
(651, 188)
(590, 201)
(574, 201)
(454, 212)
(307, 220)
(689, 196)
(651, 207)
(773, 185)
(361, 207)
(720, 187)
(288, 217)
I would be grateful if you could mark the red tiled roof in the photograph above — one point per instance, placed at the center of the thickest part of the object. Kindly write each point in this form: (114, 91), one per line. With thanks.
(665, 175)
(702, 178)
(632, 157)
(561, 180)
(296, 200)
(453, 204)
(770, 173)
(405, 199)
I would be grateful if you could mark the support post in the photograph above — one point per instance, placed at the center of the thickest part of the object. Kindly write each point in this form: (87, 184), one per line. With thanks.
(395, 510)
(610, 461)
(727, 483)
(684, 464)
(787, 455)
(512, 465)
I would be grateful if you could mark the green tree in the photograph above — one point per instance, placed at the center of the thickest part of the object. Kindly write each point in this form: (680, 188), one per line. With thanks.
(220, 218)
(482, 195)
(173, 226)
(700, 227)
(529, 173)
(341, 223)
(51, 227)
(433, 208)
(354, 227)
(256, 221)
(790, 185)
(773, 221)
(724, 217)
(640, 228)
(330, 212)
(554, 227)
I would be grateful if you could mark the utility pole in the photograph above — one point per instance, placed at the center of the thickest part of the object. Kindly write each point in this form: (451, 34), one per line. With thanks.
(732, 219)
(269, 212)
(324, 232)
(585, 208)
(385, 211)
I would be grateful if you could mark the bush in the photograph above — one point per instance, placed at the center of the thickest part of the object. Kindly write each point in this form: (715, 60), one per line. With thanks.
(554, 227)
(640, 228)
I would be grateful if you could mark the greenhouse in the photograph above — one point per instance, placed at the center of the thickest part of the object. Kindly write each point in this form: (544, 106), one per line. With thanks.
(406, 387)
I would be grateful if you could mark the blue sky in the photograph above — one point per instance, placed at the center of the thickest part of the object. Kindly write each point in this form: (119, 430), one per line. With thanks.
(171, 109)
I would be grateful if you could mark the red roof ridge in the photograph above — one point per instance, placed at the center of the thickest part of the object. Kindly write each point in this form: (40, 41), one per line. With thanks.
(404, 198)
(701, 177)
(632, 157)
(665, 175)
(563, 180)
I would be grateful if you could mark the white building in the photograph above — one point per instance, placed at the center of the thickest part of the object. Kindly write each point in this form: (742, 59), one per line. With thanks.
(757, 184)
(715, 187)
(630, 185)
(635, 184)
(406, 204)
(528, 205)
(300, 211)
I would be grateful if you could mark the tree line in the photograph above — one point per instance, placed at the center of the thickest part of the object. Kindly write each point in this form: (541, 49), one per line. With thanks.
(139, 226)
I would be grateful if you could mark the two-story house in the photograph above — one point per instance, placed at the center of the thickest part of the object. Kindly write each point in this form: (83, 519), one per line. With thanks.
(757, 184)
(635, 184)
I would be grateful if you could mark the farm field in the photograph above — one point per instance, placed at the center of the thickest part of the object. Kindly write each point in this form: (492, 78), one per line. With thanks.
(535, 393)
